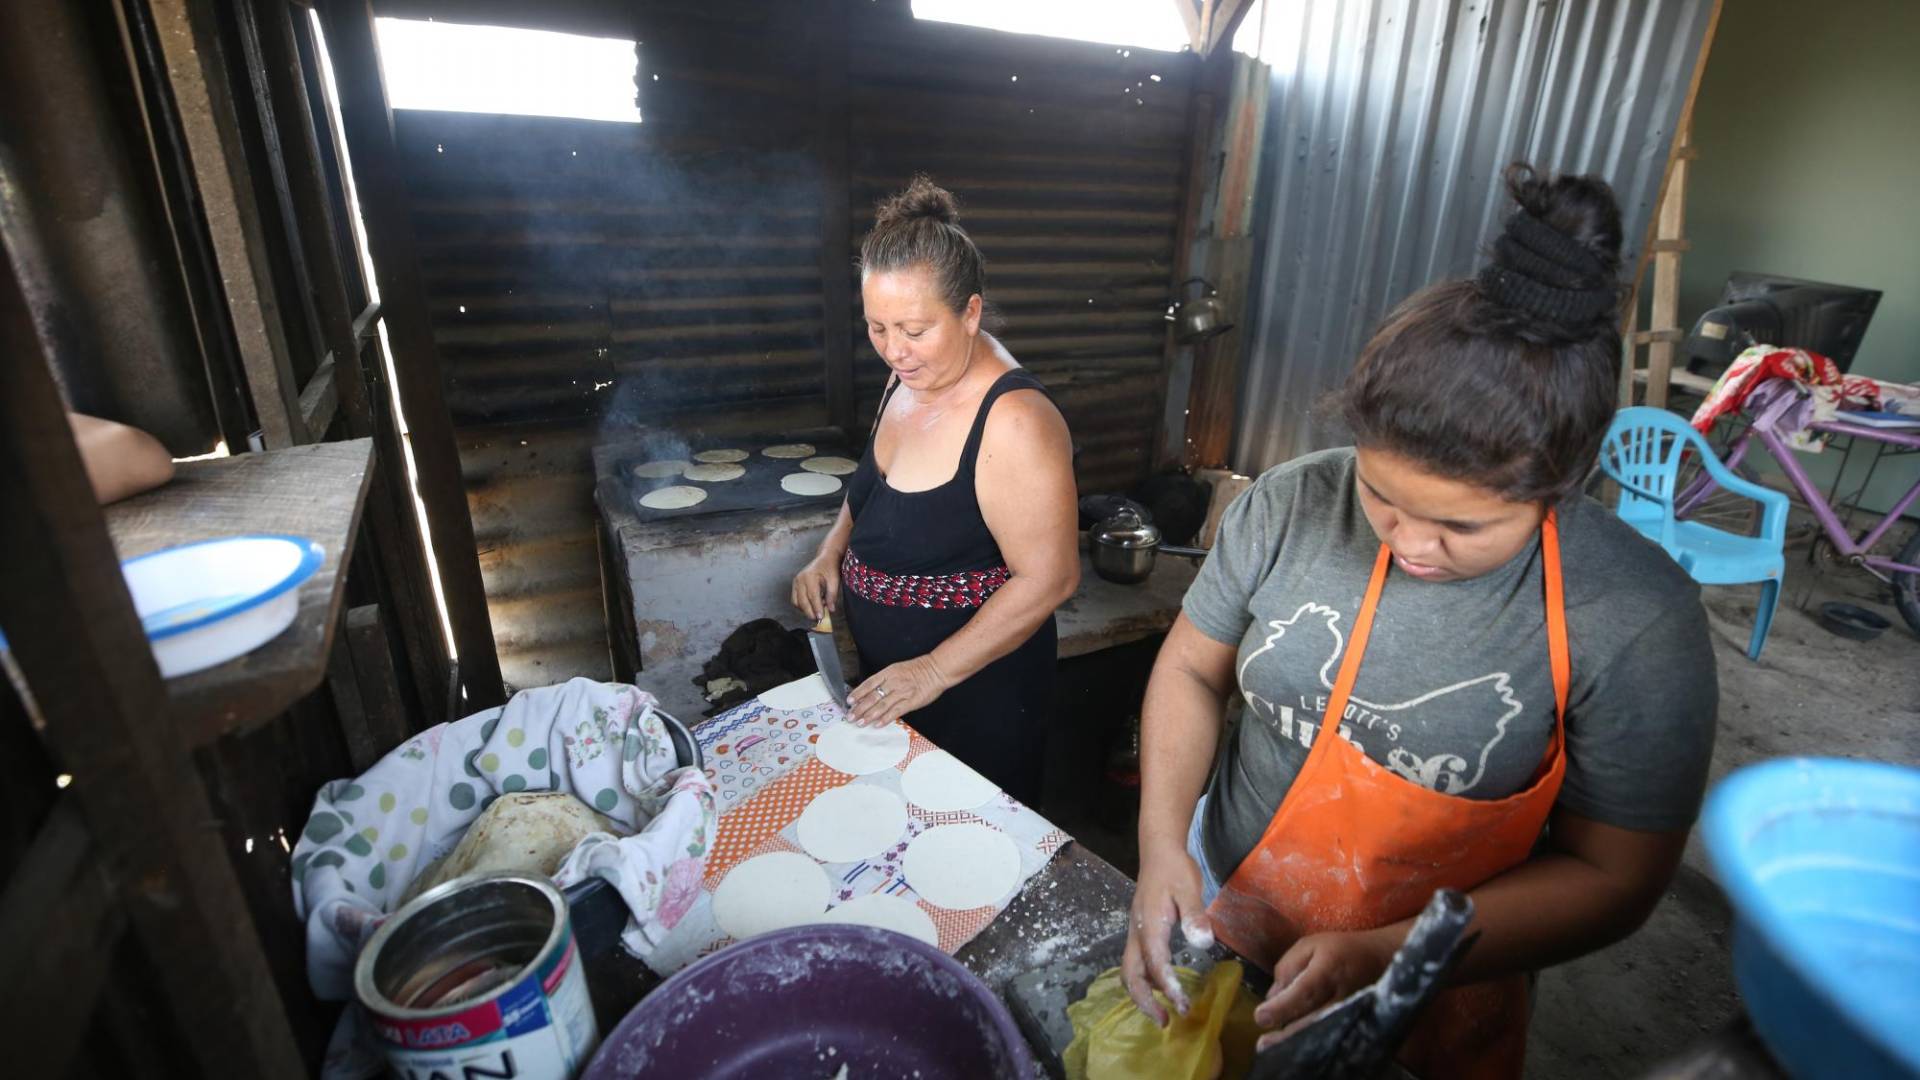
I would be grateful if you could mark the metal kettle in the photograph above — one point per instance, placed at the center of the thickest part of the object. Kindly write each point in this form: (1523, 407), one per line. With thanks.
(1124, 546)
(1199, 318)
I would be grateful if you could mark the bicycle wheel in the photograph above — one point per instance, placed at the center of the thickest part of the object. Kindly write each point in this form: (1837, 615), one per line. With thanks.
(1722, 509)
(1906, 586)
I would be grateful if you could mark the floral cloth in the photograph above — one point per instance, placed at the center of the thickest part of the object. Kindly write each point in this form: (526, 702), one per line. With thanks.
(603, 743)
(1830, 391)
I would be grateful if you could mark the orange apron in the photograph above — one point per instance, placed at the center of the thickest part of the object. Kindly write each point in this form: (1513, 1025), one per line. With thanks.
(1355, 847)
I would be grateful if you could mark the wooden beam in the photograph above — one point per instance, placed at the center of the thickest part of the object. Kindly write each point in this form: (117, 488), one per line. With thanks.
(321, 398)
(1664, 313)
(58, 929)
(80, 647)
(416, 358)
(836, 289)
(1196, 32)
(1227, 17)
(196, 70)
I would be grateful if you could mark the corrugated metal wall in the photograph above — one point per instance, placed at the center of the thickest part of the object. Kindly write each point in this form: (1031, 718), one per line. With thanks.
(1388, 124)
(670, 271)
(1071, 180)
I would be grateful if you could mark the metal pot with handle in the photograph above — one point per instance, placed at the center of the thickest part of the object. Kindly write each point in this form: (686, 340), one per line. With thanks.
(1125, 545)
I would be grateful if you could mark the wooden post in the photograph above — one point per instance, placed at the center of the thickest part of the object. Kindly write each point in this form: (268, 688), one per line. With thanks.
(79, 644)
(1665, 312)
(382, 188)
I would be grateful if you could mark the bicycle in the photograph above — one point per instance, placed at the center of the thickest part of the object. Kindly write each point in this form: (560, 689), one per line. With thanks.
(1695, 498)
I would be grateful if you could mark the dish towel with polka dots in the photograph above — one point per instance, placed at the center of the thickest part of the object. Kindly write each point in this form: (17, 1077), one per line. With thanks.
(603, 743)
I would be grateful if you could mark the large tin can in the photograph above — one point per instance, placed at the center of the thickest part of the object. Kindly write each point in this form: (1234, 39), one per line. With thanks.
(479, 977)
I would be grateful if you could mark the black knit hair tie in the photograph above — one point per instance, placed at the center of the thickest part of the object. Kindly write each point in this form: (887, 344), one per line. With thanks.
(1542, 271)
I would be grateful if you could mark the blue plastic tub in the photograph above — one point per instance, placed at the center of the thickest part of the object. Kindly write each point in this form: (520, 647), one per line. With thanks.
(1821, 860)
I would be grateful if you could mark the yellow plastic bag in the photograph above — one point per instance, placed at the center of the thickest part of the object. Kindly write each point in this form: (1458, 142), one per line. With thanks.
(1114, 1040)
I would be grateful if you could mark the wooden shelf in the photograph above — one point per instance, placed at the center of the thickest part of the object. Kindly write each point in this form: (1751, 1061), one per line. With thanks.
(314, 491)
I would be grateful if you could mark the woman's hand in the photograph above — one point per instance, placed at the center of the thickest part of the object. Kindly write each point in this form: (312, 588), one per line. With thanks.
(816, 588)
(1319, 970)
(1168, 894)
(896, 691)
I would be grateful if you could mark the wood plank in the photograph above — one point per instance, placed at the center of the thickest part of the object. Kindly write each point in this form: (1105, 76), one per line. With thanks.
(58, 928)
(1227, 17)
(112, 724)
(1665, 309)
(196, 70)
(315, 491)
(349, 709)
(386, 713)
(384, 207)
(320, 401)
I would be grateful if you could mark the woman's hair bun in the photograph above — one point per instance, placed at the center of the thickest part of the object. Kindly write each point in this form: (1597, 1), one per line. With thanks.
(922, 199)
(1556, 264)
(1582, 208)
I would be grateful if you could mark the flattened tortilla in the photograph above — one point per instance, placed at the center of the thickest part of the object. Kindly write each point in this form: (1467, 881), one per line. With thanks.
(673, 498)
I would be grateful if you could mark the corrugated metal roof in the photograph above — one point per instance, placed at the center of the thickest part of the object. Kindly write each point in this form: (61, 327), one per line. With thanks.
(1388, 124)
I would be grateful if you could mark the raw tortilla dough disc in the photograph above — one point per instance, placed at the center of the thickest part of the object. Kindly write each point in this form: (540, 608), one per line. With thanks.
(673, 498)
(937, 781)
(831, 466)
(659, 470)
(713, 474)
(850, 823)
(960, 867)
(806, 483)
(857, 750)
(789, 451)
(896, 913)
(770, 892)
(798, 694)
(721, 457)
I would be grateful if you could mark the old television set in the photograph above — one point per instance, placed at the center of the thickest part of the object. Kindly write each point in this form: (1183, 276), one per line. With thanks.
(1769, 309)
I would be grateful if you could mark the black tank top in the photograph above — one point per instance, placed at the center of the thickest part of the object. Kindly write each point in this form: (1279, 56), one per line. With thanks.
(933, 532)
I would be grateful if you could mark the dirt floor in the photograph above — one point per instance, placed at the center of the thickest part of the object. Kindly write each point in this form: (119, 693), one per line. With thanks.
(1620, 1012)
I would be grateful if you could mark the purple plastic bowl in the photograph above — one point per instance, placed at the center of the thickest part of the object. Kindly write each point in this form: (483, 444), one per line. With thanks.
(804, 1001)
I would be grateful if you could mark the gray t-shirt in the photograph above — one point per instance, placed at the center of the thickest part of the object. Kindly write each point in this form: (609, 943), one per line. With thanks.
(1455, 692)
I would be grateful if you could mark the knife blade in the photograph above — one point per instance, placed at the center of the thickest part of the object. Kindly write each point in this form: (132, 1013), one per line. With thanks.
(826, 657)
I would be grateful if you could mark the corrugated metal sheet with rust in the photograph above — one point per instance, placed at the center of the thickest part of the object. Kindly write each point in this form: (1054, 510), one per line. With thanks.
(1388, 124)
(1069, 160)
(670, 270)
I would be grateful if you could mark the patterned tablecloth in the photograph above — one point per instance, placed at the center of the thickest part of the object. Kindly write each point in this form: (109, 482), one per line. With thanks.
(760, 756)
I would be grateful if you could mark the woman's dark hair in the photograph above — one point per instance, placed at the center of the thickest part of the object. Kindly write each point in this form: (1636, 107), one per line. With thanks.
(921, 227)
(1506, 380)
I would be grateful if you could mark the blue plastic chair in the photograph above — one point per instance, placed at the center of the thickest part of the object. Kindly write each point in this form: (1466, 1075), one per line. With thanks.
(1642, 453)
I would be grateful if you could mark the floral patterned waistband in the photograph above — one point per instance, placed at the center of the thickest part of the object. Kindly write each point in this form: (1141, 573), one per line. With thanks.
(939, 592)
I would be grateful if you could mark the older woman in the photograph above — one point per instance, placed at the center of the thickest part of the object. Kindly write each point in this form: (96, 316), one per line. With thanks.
(957, 539)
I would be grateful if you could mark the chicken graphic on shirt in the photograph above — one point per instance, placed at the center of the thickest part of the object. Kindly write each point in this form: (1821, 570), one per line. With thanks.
(1313, 639)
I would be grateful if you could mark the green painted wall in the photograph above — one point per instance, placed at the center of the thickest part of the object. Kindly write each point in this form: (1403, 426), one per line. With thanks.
(1808, 131)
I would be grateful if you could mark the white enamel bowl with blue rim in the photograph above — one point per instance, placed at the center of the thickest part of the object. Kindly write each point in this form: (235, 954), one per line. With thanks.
(207, 602)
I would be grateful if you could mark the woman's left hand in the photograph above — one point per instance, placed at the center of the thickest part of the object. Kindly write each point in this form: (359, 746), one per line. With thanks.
(1319, 970)
(896, 691)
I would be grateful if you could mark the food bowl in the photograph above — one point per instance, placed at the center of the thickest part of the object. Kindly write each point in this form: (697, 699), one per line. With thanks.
(207, 602)
(1821, 861)
(1850, 621)
(809, 1000)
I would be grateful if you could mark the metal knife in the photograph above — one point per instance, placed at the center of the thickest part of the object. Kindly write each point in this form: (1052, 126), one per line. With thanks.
(826, 657)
